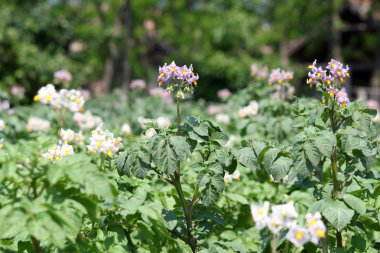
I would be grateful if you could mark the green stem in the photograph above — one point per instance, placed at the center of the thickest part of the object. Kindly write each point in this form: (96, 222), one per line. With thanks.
(131, 246)
(101, 162)
(334, 169)
(273, 243)
(178, 116)
(36, 244)
(191, 240)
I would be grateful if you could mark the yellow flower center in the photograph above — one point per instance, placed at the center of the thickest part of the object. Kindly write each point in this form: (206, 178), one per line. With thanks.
(313, 222)
(321, 233)
(99, 144)
(299, 235)
(343, 105)
(319, 74)
(1, 145)
(341, 79)
(260, 212)
(173, 69)
(36, 98)
(77, 100)
(67, 152)
(48, 98)
(162, 75)
(109, 152)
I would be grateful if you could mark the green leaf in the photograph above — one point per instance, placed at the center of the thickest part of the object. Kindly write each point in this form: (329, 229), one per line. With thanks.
(355, 203)
(135, 161)
(246, 157)
(280, 168)
(338, 214)
(269, 157)
(167, 156)
(211, 183)
(325, 142)
(12, 221)
(312, 154)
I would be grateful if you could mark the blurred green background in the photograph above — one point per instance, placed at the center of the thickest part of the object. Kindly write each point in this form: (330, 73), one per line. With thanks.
(106, 44)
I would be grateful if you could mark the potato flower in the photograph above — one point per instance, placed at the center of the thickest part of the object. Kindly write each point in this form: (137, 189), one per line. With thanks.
(176, 79)
(104, 142)
(57, 152)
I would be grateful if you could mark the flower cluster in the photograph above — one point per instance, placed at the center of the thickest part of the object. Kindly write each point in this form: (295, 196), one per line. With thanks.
(258, 72)
(282, 217)
(223, 94)
(104, 142)
(229, 177)
(251, 109)
(4, 105)
(179, 80)
(330, 81)
(57, 152)
(37, 125)
(278, 76)
(223, 118)
(126, 129)
(138, 84)
(2, 125)
(71, 100)
(87, 120)
(62, 76)
(160, 92)
(69, 136)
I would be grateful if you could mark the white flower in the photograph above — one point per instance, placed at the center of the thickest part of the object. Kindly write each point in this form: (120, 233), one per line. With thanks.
(285, 212)
(2, 125)
(71, 100)
(37, 125)
(224, 94)
(87, 121)
(104, 142)
(223, 118)
(57, 152)
(46, 95)
(163, 122)
(260, 214)
(228, 178)
(144, 121)
(4, 105)
(251, 109)
(232, 139)
(66, 136)
(149, 133)
(275, 224)
(126, 129)
(79, 139)
(298, 235)
(316, 227)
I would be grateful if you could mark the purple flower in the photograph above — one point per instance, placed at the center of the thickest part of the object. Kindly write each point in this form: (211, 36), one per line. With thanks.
(328, 79)
(184, 72)
(332, 91)
(343, 98)
(193, 79)
(338, 71)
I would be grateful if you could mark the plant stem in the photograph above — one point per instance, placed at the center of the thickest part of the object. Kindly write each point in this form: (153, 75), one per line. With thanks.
(131, 246)
(191, 240)
(339, 239)
(36, 244)
(334, 170)
(178, 116)
(273, 243)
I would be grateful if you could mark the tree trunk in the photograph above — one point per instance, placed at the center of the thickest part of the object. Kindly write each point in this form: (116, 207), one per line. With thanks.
(126, 78)
(335, 35)
(375, 78)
